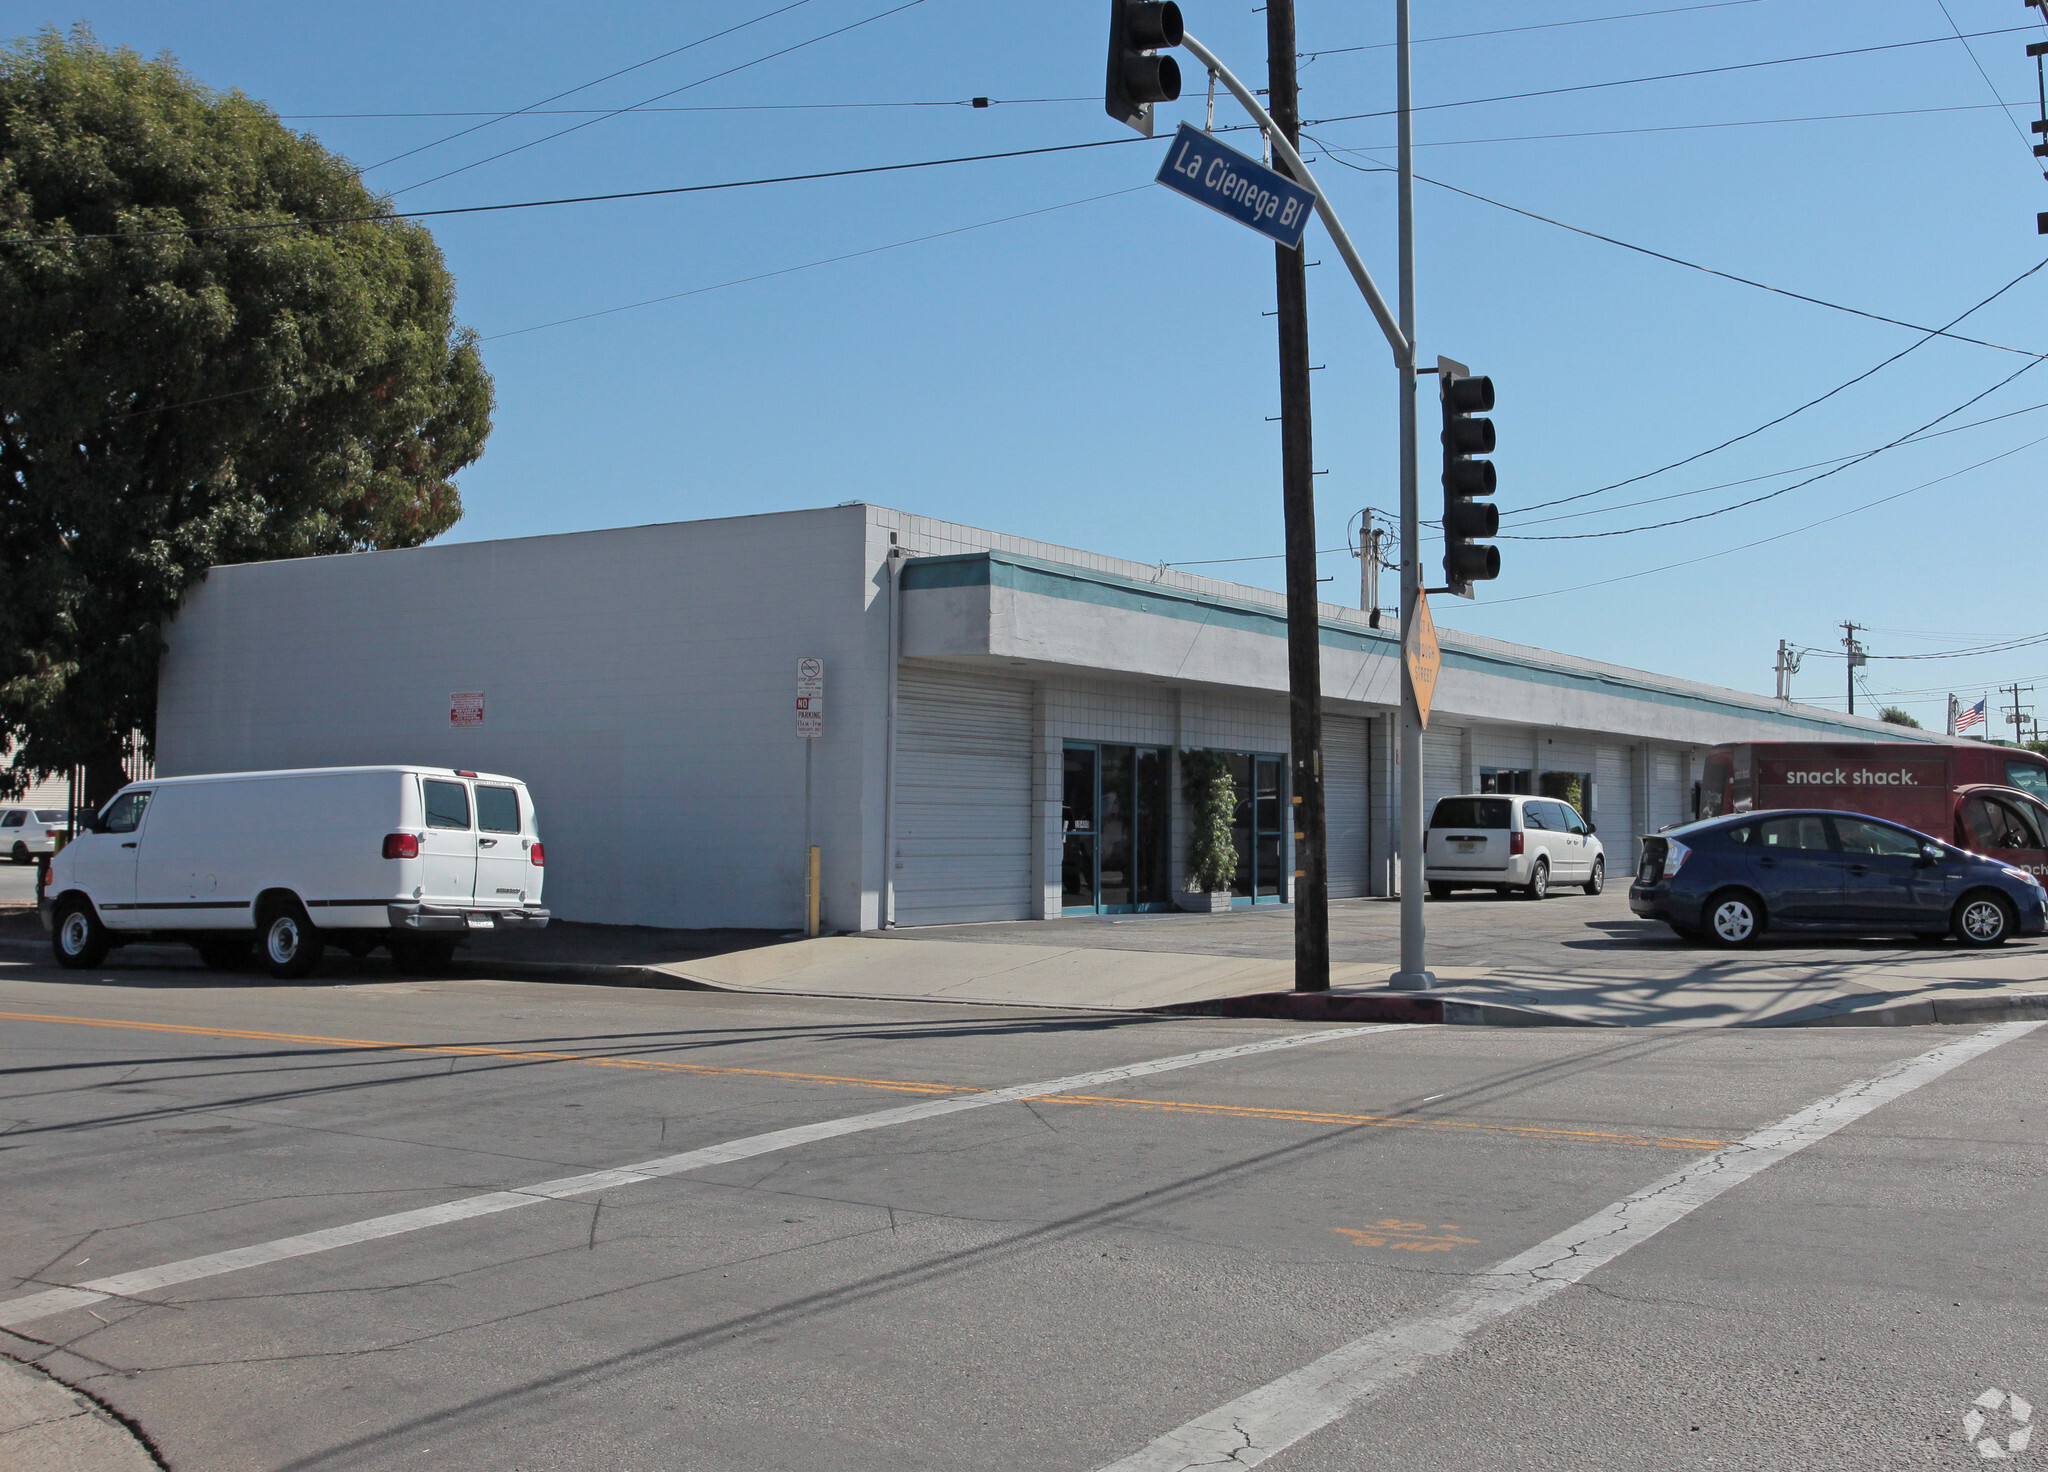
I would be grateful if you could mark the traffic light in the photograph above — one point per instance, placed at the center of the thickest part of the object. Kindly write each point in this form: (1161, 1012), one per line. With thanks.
(1467, 561)
(1138, 75)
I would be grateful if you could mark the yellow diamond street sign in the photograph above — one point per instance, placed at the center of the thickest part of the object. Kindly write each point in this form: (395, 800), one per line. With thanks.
(1424, 658)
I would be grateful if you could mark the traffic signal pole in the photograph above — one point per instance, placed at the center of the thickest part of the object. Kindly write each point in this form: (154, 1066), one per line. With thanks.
(1400, 335)
(1414, 974)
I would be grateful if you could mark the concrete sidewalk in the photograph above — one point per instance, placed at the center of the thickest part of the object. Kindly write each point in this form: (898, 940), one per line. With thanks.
(45, 1426)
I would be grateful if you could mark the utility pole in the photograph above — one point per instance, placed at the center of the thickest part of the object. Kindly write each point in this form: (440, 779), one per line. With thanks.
(1371, 550)
(1787, 667)
(2017, 717)
(1854, 659)
(1298, 497)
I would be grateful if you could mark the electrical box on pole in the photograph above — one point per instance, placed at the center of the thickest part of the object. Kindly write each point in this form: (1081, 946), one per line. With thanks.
(1467, 478)
(1138, 75)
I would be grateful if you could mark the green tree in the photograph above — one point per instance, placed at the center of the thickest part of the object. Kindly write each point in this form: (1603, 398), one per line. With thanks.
(1212, 849)
(214, 383)
(1897, 717)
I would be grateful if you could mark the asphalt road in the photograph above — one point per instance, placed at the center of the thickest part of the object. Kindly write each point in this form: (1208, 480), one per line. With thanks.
(1049, 1282)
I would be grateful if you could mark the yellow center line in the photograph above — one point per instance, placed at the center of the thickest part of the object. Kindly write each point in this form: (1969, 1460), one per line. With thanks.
(900, 1086)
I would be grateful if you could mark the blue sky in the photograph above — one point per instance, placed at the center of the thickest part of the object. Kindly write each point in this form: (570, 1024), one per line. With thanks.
(1099, 372)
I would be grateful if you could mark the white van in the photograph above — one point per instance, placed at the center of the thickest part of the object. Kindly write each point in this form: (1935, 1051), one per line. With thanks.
(409, 858)
(1509, 841)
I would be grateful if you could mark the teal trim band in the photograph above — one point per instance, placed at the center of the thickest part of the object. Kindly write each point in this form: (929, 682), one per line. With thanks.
(1109, 590)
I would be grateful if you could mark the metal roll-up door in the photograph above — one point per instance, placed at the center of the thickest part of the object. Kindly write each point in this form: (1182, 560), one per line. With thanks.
(1345, 805)
(1614, 806)
(963, 798)
(1667, 797)
(1443, 765)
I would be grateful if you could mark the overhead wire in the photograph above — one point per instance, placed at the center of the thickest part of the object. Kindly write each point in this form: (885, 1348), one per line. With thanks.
(248, 226)
(811, 265)
(1552, 25)
(586, 86)
(673, 91)
(1709, 71)
(1765, 541)
(1972, 52)
(1782, 490)
(537, 110)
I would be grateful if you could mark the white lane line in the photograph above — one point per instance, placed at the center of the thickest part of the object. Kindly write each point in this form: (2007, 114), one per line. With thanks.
(1272, 1418)
(146, 1280)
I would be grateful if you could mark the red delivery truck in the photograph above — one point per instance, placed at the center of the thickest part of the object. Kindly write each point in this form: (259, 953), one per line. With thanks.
(1992, 800)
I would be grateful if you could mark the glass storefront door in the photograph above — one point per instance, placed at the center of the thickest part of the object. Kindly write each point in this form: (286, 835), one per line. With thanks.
(1116, 823)
(1260, 828)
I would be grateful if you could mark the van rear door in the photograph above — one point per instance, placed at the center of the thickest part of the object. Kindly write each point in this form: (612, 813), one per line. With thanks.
(448, 843)
(1469, 833)
(503, 871)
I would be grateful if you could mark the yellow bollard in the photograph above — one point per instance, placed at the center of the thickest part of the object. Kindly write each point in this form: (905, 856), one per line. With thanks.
(811, 896)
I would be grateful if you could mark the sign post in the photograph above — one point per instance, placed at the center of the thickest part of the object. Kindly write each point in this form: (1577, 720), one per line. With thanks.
(810, 725)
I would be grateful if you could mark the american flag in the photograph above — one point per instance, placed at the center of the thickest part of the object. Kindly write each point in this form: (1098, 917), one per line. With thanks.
(1970, 715)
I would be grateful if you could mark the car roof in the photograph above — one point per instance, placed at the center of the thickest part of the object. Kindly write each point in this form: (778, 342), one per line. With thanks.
(421, 771)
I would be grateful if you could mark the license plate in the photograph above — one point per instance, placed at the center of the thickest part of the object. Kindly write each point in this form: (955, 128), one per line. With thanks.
(1468, 848)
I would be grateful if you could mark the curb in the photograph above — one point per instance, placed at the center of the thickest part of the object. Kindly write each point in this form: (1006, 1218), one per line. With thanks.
(1340, 1007)
(49, 1426)
(1936, 1011)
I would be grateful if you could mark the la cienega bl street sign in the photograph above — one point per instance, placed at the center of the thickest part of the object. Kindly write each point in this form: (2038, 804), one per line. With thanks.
(1232, 184)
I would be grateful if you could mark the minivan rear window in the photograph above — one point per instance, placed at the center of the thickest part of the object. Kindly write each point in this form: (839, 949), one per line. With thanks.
(447, 804)
(1471, 812)
(497, 809)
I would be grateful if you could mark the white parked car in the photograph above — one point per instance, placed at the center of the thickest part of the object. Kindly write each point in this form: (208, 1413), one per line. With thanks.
(1510, 841)
(27, 832)
(408, 858)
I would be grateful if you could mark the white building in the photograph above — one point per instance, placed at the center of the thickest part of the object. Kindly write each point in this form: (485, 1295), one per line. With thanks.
(1003, 718)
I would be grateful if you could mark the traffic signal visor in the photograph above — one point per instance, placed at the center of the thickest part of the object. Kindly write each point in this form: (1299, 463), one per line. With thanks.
(1138, 75)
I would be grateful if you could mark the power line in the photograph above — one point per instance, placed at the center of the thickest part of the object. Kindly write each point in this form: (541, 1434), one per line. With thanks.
(701, 81)
(1782, 490)
(1993, 86)
(586, 86)
(539, 111)
(534, 204)
(1774, 474)
(1333, 151)
(812, 265)
(1828, 117)
(1554, 25)
(1765, 541)
(1740, 66)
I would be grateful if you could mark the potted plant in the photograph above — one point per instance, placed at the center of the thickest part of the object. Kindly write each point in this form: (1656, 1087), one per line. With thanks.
(1212, 852)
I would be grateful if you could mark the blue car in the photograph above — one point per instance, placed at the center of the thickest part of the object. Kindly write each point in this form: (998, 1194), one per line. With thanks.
(1730, 879)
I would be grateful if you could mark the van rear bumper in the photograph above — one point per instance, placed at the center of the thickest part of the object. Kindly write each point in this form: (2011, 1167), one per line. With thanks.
(444, 918)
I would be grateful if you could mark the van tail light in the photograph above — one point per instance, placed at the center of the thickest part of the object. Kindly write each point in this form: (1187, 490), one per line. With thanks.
(1515, 842)
(401, 845)
(540, 859)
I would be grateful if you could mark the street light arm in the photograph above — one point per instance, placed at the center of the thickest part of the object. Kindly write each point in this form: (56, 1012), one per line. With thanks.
(1404, 350)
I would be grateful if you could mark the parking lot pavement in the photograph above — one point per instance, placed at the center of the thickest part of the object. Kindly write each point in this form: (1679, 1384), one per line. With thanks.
(17, 884)
(795, 1258)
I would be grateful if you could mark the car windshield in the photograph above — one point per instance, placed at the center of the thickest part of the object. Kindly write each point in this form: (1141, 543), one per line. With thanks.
(1470, 812)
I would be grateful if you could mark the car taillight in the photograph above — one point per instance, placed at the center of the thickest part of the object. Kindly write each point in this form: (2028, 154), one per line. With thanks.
(1514, 843)
(539, 859)
(401, 845)
(1674, 856)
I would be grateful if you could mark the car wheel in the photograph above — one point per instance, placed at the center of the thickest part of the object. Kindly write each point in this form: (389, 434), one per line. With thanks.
(1983, 919)
(79, 938)
(1441, 891)
(1538, 886)
(289, 944)
(417, 954)
(223, 952)
(1734, 918)
(1597, 881)
(21, 854)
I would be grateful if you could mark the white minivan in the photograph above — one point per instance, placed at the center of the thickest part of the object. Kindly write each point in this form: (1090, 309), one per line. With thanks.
(408, 858)
(1509, 841)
